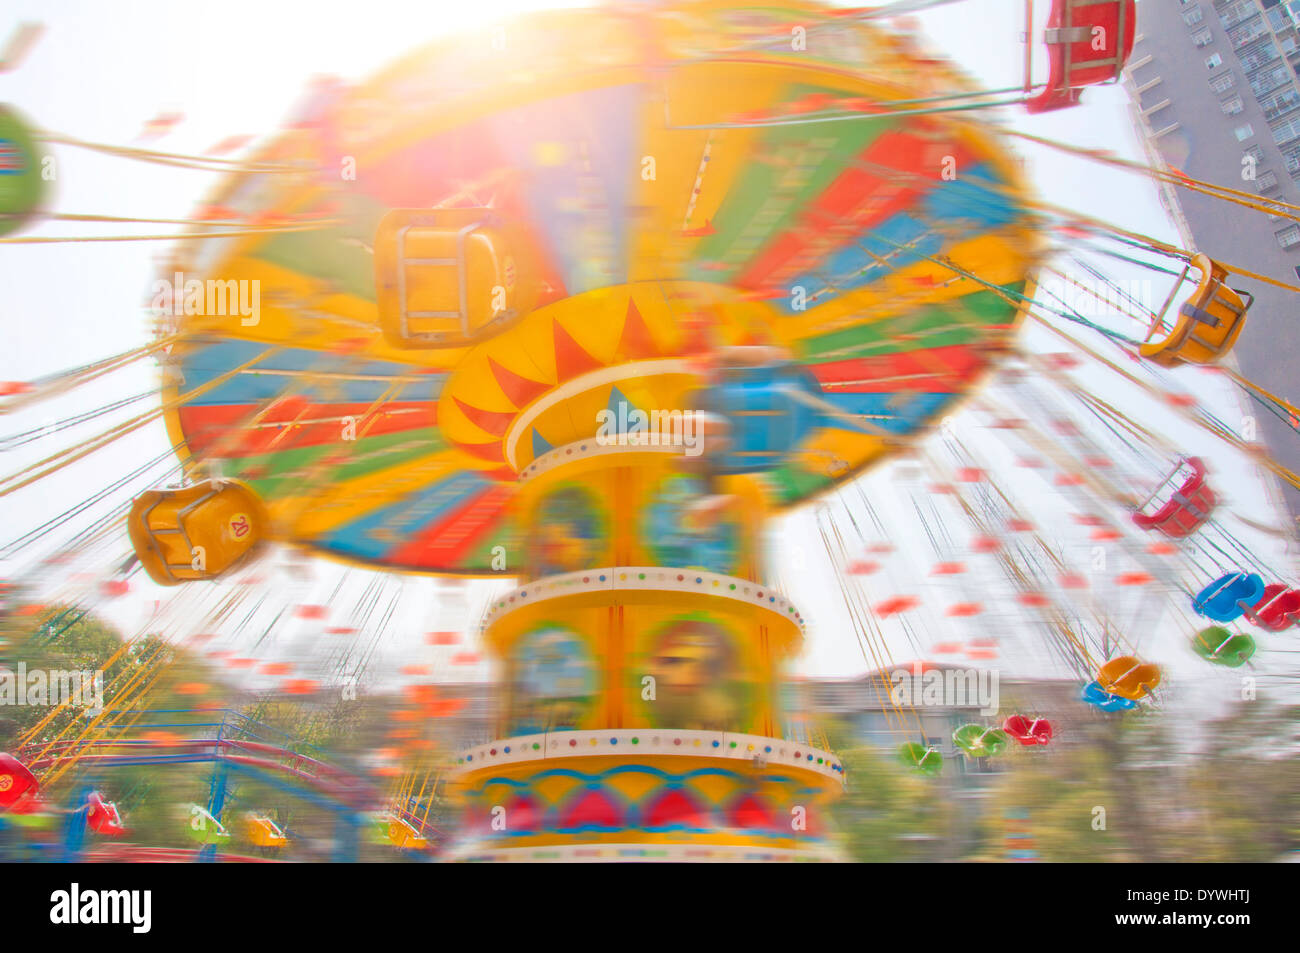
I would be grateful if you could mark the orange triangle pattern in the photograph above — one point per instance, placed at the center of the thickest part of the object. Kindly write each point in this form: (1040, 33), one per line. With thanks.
(570, 359)
(519, 390)
(494, 422)
(635, 343)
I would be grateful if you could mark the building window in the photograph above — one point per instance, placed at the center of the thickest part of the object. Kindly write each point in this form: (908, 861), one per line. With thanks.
(1269, 79)
(1193, 16)
(1255, 153)
(1289, 237)
(1231, 106)
(1273, 212)
(1214, 62)
(1244, 132)
(1222, 83)
(1279, 103)
(1286, 129)
(1266, 181)
(1247, 32)
(1234, 13)
(1202, 37)
(1259, 53)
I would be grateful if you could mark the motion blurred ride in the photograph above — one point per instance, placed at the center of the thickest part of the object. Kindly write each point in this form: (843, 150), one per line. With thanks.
(588, 313)
(196, 532)
(1208, 324)
(1180, 511)
(261, 831)
(17, 783)
(1088, 42)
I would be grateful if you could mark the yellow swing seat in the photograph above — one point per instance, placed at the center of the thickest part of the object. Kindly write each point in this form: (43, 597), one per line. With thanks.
(403, 834)
(198, 531)
(261, 831)
(1208, 323)
(448, 277)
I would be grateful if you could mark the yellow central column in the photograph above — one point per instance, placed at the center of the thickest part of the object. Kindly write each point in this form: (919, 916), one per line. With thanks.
(641, 666)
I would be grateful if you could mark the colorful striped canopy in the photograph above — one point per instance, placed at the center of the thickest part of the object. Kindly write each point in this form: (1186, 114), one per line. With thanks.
(689, 177)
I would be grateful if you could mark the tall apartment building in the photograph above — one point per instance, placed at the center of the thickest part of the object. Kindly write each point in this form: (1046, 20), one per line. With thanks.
(1215, 86)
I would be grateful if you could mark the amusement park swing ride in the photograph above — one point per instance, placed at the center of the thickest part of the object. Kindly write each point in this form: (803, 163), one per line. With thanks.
(789, 218)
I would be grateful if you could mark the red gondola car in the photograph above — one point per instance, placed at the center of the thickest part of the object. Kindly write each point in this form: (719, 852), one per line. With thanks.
(1088, 42)
(1186, 509)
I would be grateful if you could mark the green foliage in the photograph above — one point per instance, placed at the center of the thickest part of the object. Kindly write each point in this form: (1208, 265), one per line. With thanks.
(67, 639)
(1121, 789)
(888, 813)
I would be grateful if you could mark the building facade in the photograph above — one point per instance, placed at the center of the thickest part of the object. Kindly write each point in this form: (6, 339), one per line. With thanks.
(1215, 88)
